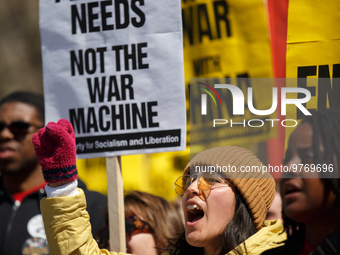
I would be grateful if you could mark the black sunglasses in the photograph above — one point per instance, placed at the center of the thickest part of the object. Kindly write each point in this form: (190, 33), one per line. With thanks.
(17, 127)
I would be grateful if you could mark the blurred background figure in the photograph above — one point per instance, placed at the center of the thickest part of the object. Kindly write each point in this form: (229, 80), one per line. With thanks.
(154, 219)
(275, 210)
(311, 198)
(149, 222)
(21, 180)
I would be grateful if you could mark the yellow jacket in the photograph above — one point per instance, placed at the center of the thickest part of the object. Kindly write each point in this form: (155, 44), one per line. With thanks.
(268, 237)
(68, 229)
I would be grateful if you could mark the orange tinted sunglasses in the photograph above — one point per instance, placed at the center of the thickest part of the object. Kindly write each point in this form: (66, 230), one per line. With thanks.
(134, 225)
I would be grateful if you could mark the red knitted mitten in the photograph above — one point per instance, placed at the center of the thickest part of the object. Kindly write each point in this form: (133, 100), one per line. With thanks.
(55, 147)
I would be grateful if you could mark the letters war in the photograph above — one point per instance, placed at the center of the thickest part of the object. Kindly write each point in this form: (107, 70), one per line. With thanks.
(197, 24)
(123, 116)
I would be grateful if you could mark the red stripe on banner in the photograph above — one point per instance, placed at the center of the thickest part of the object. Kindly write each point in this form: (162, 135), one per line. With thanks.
(278, 16)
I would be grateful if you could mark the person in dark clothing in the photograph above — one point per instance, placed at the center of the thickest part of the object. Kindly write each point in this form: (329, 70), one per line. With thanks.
(21, 180)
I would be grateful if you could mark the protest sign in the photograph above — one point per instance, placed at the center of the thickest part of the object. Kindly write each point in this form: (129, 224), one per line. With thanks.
(313, 54)
(115, 70)
(226, 40)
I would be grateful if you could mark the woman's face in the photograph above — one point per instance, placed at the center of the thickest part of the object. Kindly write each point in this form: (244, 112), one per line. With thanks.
(304, 199)
(207, 214)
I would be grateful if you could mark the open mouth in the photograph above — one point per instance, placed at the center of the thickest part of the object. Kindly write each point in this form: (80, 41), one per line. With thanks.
(194, 212)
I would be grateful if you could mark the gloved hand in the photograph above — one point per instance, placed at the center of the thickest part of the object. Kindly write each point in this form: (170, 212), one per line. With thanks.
(55, 147)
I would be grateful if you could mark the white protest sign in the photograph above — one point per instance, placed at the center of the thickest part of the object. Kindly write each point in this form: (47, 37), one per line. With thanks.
(114, 68)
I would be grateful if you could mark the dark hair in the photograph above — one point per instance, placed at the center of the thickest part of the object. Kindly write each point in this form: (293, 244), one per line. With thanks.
(239, 229)
(30, 98)
(326, 129)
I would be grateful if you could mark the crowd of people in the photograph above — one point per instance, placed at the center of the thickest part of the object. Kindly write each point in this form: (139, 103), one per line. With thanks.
(222, 213)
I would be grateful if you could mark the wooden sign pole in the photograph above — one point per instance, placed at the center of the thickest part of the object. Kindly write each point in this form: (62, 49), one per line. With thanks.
(115, 204)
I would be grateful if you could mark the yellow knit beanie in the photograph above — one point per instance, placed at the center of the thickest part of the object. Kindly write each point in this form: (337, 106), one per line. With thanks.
(257, 188)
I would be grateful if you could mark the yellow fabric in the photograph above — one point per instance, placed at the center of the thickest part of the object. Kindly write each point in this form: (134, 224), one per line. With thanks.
(68, 229)
(67, 226)
(268, 237)
(313, 52)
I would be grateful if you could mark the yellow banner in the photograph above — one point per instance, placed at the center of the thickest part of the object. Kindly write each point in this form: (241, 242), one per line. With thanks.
(313, 53)
(225, 39)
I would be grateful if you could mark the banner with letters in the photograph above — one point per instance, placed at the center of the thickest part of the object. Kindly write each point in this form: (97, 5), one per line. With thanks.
(114, 69)
(226, 40)
(313, 54)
